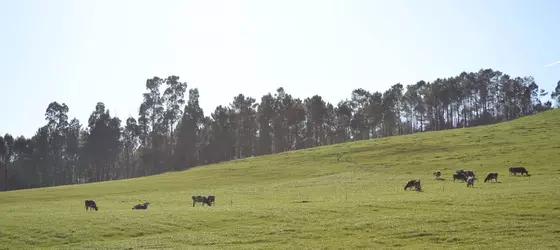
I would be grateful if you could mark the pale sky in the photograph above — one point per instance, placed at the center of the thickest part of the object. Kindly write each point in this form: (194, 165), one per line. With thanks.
(82, 51)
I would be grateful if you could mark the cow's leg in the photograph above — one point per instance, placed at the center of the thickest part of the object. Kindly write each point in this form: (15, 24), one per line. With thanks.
(193, 203)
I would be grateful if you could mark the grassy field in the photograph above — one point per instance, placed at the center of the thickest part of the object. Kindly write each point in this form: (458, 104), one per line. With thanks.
(354, 193)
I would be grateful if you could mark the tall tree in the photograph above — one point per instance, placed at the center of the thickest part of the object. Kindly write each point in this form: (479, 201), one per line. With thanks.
(265, 116)
(316, 115)
(222, 135)
(555, 95)
(186, 154)
(130, 145)
(72, 152)
(152, 114)
(103, 145)
(173, 99)
(57, 117)
(245, 125)
(4, 160)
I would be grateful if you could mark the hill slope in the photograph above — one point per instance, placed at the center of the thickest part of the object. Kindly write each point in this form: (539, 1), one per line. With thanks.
(354, 192)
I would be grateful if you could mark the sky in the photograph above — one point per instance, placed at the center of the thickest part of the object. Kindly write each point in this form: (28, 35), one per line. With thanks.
(83, 52)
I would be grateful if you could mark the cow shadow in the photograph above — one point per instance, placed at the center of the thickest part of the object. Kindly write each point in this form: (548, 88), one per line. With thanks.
(441, 179)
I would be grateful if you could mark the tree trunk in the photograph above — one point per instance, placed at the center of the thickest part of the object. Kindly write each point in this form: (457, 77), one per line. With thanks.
(5, 176)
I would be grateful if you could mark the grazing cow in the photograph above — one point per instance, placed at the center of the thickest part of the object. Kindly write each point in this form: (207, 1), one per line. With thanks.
(491, 176)
(459, 176)
(203, 200)
(141, 206)
(413, 183)
(521, 170)
(437, 174)
(91, 204)
(470, 181)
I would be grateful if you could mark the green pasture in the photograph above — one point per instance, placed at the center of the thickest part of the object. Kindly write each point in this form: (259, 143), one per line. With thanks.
(347, 196)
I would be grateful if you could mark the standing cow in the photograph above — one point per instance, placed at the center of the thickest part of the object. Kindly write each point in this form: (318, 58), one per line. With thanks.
(203, 200)
(516, 170)
(91, 204)
(470, 181)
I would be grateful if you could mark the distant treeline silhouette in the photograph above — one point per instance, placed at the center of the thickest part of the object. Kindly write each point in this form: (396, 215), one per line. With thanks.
(171, 133)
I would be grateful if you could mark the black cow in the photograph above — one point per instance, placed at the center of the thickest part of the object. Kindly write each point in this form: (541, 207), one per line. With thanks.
(437, 174)
(491, 176)
(202, 199)
(521, 170)
(413, 183)
(459, 176)
(469, 173)
(141, 206)
(470, 181)
(462, 175)
(91, 204)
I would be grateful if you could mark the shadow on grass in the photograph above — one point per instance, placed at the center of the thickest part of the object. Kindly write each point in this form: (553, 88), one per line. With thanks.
(441, 179)
(302, 201)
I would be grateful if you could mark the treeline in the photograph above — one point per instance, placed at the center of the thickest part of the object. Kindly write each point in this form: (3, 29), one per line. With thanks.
(172, 132)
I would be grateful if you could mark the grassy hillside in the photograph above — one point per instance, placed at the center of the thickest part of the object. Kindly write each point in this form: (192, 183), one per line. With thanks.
(355, 193)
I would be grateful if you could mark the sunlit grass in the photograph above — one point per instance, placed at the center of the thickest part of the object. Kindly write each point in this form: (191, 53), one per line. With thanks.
(353, 195)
